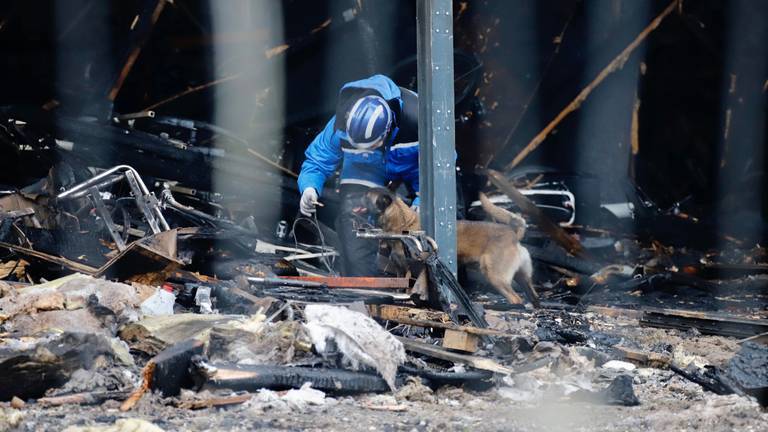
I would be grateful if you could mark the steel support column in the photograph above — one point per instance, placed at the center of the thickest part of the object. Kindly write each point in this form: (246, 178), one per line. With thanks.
(437, 155)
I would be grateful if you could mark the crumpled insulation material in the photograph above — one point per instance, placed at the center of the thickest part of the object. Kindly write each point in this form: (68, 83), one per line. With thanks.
(359, 338)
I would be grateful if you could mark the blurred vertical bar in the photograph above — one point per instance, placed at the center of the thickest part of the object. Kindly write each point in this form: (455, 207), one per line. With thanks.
(437, 172)
(248, 39)
(741, 174)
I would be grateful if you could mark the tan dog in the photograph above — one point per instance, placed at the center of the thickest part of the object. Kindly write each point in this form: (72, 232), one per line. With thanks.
(495, 247)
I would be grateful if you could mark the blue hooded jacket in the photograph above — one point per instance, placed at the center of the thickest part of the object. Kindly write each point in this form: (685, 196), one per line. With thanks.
(398, 159)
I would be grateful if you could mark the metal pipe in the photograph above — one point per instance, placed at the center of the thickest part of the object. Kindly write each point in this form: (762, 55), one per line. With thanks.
(310, 256)
(143, 197)
(95, 181)
(286, 282)
(108, 182)
(136, 115)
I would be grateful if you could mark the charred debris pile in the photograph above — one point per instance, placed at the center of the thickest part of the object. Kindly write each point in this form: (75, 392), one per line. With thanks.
(115, 285)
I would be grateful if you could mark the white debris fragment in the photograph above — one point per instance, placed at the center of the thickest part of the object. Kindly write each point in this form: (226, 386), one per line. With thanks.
(158, 304)
(10, 418)
(359, 338)
(203, 300)
(303, 397)
(293, 400)
(619, 365)
(121, 425)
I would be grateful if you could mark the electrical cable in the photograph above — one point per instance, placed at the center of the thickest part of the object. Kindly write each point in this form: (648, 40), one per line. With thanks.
(328, 262)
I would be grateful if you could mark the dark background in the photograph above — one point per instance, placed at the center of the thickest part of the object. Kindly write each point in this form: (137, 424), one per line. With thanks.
(701, 72)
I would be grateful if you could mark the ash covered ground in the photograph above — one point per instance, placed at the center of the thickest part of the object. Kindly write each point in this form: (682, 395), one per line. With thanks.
(549, 398)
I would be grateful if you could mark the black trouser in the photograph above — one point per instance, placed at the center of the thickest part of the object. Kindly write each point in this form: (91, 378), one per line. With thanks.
(358, 256)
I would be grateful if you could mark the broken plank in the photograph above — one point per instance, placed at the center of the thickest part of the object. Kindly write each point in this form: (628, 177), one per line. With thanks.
(66, 263)
(215, 402)
(355, 282)
(396, 313)
(87, 398)
(443, 354)
(706, 323)
(643, 358)
(429, 319)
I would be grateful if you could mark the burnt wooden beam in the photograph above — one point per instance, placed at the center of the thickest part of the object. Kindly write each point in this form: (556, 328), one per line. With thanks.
(706, 323)
(141, 28)
(66, 263)
(428, 319)
(444, 354)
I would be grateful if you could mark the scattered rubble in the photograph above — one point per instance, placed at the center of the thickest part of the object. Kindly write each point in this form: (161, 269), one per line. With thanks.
(150, 323)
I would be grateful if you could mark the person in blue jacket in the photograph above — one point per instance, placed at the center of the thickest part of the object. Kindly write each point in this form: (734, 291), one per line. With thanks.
(374, 136)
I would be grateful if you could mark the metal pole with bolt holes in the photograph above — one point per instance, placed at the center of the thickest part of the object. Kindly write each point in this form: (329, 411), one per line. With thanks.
(437, 170)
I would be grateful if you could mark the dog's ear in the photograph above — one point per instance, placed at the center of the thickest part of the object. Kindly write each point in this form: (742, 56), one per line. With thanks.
(383, 201)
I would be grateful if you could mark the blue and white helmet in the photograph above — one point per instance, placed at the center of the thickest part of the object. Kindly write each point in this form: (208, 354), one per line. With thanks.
(368, 122)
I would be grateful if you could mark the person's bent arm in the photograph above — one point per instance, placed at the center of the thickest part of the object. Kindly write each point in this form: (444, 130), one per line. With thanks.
(322, 157)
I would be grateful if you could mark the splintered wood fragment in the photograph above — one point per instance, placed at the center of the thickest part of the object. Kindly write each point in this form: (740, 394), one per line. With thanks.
(147, 373)
(274, 51)
(89, 398)
(390, 408)
(215, 402)
(443, 354)
(614, 65)
(192, 90)
(641, 358)
(761, 338)
(570, 244)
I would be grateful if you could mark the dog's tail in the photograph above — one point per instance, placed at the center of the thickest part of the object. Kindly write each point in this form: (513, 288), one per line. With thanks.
(503, 216)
